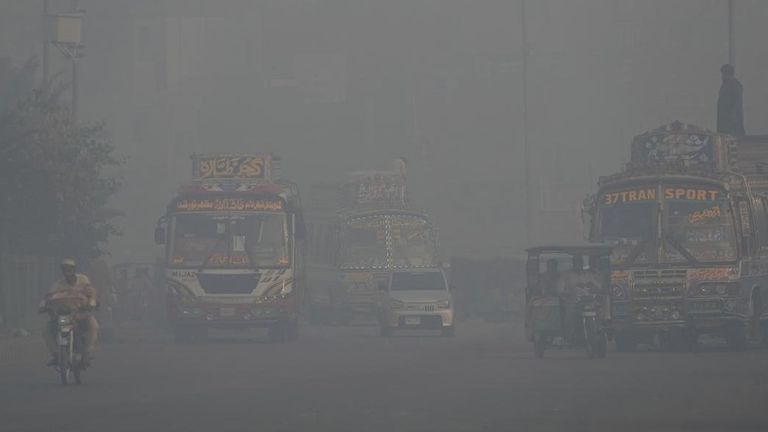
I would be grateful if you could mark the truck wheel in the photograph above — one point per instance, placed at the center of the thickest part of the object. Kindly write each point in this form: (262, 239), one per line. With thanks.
(736, 338)
(183, 334)
(292, 330)
(277, 333)
(385, 331)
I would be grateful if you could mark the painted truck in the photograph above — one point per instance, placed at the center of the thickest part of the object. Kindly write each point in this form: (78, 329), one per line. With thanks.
(372, 232)
(234, 248)
(688, 219)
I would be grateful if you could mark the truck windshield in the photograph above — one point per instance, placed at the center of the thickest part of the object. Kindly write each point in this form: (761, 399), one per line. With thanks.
(698, 225)
(364, 243)
(384, 241)
(413, 244)
(250, 240)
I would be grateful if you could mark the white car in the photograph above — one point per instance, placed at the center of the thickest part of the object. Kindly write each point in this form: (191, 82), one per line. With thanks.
(416, 299)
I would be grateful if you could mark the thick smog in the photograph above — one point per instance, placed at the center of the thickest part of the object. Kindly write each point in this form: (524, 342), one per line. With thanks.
(405, 215)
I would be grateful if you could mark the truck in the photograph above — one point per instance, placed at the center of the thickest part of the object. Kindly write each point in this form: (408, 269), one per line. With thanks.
(234, 248)
(688, 220)
(372, 232)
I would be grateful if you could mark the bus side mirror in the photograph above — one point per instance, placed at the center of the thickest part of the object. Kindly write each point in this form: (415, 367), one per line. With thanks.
(159, 235)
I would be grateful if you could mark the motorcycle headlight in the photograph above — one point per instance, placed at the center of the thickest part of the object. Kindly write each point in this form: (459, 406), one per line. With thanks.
(445, 304)
(65, 320)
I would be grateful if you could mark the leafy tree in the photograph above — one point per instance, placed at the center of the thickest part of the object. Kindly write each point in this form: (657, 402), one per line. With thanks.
(54, 175)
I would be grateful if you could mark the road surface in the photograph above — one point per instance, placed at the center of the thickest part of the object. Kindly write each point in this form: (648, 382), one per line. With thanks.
(350, 379)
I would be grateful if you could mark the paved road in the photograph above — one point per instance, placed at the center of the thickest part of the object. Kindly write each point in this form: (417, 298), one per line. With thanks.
(349, 379)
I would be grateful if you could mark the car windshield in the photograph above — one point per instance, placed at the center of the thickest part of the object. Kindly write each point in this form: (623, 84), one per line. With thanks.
(412, 281)
(413, 244)
(247, 240)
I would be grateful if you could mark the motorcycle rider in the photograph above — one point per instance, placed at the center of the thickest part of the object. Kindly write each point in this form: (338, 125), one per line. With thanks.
(76, 288)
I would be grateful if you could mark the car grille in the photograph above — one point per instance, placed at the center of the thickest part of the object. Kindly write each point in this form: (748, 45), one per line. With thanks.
(658, 283)
(430, 308)
(228, 283)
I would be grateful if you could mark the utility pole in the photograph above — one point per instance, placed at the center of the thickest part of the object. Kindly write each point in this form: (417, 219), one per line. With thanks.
(67, 39)
(46, 42)
(731, 33)
(526, 146)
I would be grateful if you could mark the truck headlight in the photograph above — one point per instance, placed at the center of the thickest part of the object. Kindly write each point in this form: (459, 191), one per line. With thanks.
(711, 289)
(617, 291)
(444, 304)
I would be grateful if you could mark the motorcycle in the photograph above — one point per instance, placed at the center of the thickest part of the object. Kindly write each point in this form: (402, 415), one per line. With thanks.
(70, 340)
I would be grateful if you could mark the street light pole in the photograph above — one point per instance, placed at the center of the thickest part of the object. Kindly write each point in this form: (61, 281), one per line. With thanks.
(526, 146)
(731, 33)
(46, 42)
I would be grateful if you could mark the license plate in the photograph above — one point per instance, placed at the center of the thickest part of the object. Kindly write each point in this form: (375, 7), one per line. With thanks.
(227, 312)
(590, 314)
(412, 320)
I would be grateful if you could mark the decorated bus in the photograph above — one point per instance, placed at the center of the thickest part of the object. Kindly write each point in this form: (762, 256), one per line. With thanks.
(687, 219)
(234, 249)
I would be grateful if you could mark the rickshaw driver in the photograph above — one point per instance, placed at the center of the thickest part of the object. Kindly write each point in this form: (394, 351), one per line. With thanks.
(551, 279)
(575, 283)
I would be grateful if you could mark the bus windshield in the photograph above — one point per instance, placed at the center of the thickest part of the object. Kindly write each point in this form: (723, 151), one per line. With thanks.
(631, 228)
(234, 240)
(697, 224)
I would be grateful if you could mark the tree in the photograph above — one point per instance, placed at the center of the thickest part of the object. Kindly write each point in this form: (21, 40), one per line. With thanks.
(54, 175)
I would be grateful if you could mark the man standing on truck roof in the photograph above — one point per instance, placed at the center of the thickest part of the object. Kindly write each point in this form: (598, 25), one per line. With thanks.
(730, 111)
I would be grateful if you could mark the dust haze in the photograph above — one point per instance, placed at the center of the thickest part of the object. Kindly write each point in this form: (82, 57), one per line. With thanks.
(339, 86)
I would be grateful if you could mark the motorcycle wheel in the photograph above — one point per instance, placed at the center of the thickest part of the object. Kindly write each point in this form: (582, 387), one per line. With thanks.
(590, 338)
(76, 372)
(602, 346)
(65, 364)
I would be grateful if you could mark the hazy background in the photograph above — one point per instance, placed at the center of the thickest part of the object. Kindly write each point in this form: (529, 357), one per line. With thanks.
(339, 85)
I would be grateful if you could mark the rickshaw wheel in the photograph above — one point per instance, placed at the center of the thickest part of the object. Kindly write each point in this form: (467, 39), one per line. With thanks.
(539, 344)
(602, 345)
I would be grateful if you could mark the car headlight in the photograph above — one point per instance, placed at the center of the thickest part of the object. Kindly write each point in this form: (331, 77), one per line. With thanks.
(444, 304)
(190, 311)
(396, 304)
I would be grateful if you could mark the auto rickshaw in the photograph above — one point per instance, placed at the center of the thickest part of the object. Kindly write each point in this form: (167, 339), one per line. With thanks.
(567, 298)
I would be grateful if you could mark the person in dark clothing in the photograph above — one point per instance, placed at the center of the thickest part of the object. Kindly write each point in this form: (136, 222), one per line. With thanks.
(730, 111)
